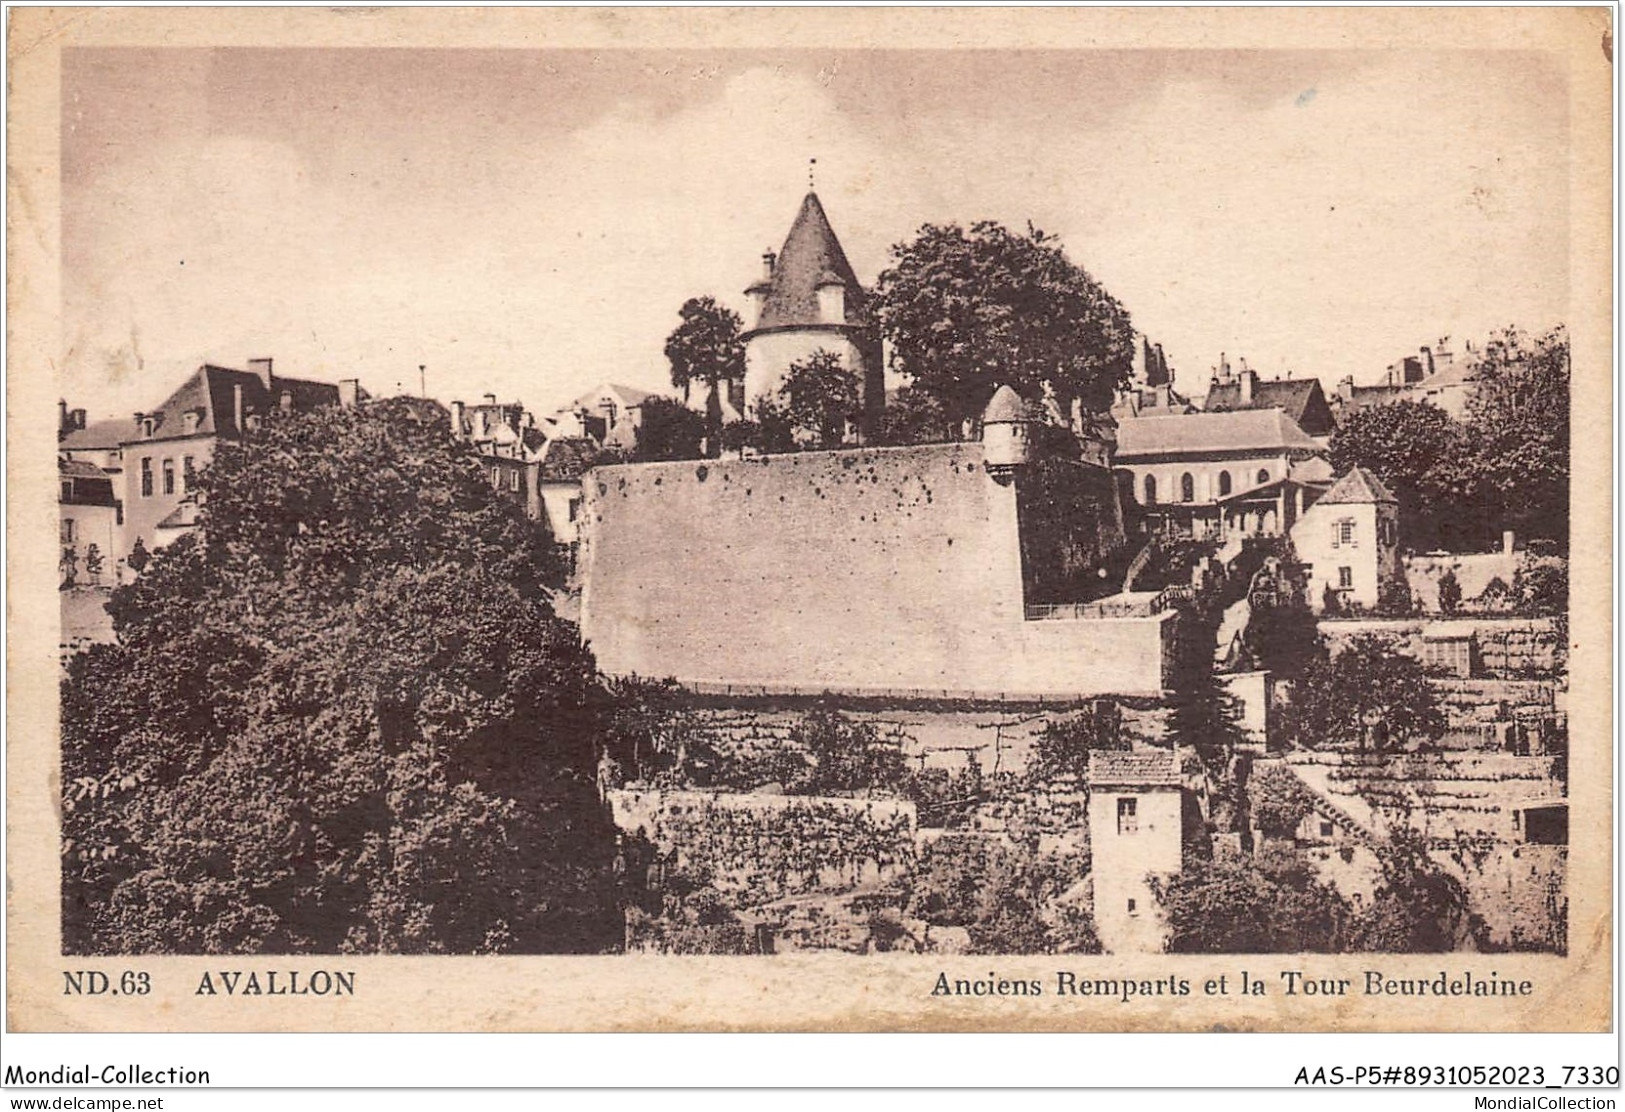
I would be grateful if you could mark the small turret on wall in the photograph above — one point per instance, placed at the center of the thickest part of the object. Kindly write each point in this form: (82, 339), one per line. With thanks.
(1007, 427)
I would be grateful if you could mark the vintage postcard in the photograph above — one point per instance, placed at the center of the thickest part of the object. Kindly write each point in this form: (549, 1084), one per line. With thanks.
(809, 520)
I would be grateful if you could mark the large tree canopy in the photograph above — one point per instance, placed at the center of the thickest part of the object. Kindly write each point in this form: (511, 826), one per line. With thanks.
(821, 396)
(1422, 453)
(340, 716)
(1366, 693)
(706, 347)
(1505, 466)
(1519, 414)
(968, 311)
(706, 350)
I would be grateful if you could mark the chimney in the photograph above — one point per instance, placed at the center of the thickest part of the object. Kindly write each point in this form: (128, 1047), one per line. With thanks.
(63, 421)
(457, 420)
(77, 418)
(237, 408)
(349, 392)
(769, 260)
(1345, 388)
(1249, 383)
(490, 399)
(262, 368)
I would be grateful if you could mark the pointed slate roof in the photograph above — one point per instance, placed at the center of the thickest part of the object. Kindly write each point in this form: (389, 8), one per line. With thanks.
(1359, 485)
(811, 257)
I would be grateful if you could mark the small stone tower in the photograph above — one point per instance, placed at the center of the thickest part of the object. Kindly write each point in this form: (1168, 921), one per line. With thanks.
(808, 298)
(1135, 835)
(1007, 428)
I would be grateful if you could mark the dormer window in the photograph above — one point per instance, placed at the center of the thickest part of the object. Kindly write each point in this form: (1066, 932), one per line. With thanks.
(147, 425)
(191, 420)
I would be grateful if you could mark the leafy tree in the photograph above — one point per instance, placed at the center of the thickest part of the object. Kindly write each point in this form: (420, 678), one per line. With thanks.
(1541, 588)
(669, 430)
(1418, 450)
(1418, 909)
(1002, 895)
(340, 716)
(68, 566)
(1063, 746)
(915, 416)
(967, 311)
(706, 349)
(1449, 593)
(138, 557)
(1367, 694)
(653, 735)
(848, 755)
(768, 429)
(1266, 904)
(1519, 415)
(1278, 801)
(821, 395)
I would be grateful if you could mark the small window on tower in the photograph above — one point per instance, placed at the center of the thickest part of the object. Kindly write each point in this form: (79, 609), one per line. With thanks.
(1128, 821)
(1132, 908)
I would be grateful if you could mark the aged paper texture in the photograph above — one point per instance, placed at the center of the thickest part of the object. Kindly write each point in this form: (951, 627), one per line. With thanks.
(1133, 554)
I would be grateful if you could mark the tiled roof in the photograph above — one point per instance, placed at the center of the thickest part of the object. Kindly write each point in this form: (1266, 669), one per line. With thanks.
(1359, 485)
(1364, 397)
(80, 469)
(1136, 768)
(1315, 469)
(1302, 399)
(1189, 434)
(567, 459)
(97, 436)
(811, 257)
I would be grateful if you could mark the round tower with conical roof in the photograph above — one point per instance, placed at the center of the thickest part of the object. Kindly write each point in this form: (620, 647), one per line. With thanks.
(809, 299)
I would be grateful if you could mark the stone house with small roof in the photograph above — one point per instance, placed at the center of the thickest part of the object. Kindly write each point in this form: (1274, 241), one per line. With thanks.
(1136, 813)
(1349, 542)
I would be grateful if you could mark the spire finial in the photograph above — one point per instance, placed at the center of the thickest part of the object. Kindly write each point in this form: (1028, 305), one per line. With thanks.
(812, 163)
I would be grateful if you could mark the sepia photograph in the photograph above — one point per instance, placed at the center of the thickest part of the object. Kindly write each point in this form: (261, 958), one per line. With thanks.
(993, 525)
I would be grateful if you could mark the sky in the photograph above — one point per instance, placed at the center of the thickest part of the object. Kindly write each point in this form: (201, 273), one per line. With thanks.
(528, 222)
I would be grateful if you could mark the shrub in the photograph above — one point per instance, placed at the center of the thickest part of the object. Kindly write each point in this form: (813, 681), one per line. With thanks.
(1449, 593)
